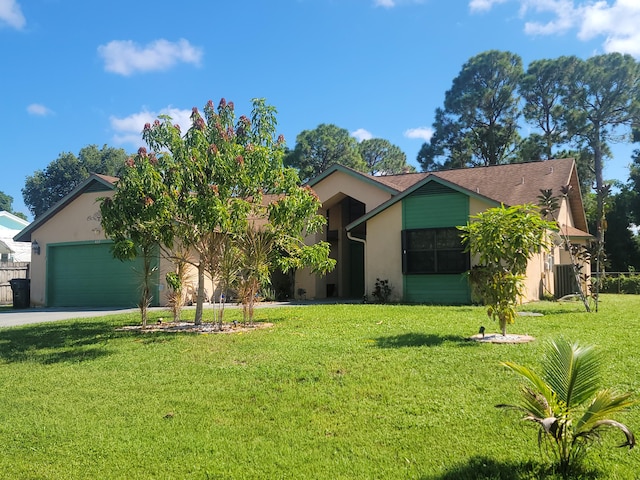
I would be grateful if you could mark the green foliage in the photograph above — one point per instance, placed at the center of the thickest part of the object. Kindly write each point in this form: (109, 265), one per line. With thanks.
(503, 239)
(46, 187)
(383, 158)
(213, 185)
(566, 402)
(629, 284)
(382, 291)
(542, 88)
(6, 202)
(326, 145)
(329, 392)
(479, 122)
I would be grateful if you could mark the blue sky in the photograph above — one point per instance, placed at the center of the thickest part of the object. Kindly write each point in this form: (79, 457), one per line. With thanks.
(77, 72)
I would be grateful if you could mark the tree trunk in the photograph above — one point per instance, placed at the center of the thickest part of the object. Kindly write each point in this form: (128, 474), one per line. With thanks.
(600, 199)
(200, 298)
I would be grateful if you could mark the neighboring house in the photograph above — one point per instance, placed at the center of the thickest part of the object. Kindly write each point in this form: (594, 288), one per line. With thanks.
(10, 250)
(72, 264)
(402, 228)
(14, 256)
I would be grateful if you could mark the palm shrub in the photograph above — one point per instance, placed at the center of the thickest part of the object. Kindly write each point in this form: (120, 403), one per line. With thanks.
(567, 403)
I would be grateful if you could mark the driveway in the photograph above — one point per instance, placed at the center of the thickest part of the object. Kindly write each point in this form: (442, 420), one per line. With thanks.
(10, 317)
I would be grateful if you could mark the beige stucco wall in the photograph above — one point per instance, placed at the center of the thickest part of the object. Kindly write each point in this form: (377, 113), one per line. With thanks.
(383, 257)
(79, 221)
(313, 285)
(363, 191)
(539, 279)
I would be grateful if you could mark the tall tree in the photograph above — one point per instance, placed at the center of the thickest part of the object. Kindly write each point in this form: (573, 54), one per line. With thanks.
(318, 149)
(226, 174)
(622, 248)
(383, 158)
(6, 202)
(479, 122)
(46, 187)
(542, 88)
(602, 103)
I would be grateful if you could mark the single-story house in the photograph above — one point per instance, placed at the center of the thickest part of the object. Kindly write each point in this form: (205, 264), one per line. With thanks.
(72, 264)
(402, 229)
(399, 228)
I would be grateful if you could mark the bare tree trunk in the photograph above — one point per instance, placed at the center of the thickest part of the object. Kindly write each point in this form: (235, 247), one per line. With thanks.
(200, 298)
(600, 198)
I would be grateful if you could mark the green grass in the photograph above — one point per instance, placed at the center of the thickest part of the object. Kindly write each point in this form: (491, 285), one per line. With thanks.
(333, 391)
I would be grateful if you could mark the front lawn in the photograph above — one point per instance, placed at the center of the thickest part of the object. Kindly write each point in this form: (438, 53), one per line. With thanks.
(329, 391)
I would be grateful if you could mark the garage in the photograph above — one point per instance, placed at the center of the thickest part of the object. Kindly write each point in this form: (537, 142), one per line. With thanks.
(87, 275)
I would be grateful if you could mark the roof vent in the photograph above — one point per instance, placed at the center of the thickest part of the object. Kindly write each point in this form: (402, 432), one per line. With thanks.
(522, 182)
(550, 169)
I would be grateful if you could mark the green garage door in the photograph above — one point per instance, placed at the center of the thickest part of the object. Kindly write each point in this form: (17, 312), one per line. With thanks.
(87, 275)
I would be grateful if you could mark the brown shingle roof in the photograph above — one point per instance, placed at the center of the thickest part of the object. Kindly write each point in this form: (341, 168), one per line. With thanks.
(512, 184)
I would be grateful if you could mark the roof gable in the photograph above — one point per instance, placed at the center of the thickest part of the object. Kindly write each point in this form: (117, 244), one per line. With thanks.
(95, 183)
(370, 179)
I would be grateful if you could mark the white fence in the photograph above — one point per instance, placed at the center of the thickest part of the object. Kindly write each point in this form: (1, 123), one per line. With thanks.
(9, 271)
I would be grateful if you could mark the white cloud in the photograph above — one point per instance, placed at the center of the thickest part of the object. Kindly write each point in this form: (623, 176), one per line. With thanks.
(125, 57)
(483, 5)
(11, 14)
(564, 16)
(615, 21)
(395, 3)
(618, 23)
(422, 133)
(362, 134)
(129, 129)
(38, 110)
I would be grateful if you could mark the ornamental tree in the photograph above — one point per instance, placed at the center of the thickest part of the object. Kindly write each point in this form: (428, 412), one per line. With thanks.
(225, 174)
(136, 218)
(504, 239)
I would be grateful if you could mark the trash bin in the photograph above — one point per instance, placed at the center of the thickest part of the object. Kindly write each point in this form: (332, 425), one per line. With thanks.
(21, 288)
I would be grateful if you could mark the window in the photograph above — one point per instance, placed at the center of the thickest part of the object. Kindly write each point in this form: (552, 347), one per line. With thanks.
(433, 250)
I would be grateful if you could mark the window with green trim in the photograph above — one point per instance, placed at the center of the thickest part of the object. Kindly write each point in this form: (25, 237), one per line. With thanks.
(433, 250)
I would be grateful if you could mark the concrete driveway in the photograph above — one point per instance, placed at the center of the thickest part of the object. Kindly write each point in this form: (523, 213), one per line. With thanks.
(13, 317)
(10, 317)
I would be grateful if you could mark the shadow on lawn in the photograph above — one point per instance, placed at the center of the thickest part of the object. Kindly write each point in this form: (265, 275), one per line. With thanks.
(57, 342)
(483, 468)
(420, 340)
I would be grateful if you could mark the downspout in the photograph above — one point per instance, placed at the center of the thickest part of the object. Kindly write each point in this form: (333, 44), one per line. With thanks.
(364, 247)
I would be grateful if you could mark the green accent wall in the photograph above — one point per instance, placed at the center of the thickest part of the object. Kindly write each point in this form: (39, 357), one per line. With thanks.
(437, 289)
(435, 206)
(87, 275)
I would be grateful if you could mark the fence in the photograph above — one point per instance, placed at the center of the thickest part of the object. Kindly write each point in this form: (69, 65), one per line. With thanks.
(9, 271)
(619, 282)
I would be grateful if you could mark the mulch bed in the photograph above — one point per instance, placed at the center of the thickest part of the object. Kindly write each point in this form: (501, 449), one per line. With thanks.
(499, 338)
(190, 327)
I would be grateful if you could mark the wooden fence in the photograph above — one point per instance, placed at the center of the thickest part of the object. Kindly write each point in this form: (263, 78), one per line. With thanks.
(9, 271)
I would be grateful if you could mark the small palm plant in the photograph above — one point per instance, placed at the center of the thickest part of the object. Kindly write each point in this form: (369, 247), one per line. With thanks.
(567, 403)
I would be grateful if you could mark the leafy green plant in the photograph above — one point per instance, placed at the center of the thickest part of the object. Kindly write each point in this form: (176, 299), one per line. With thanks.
(567, 404)
(382, 291)
(503, 239)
